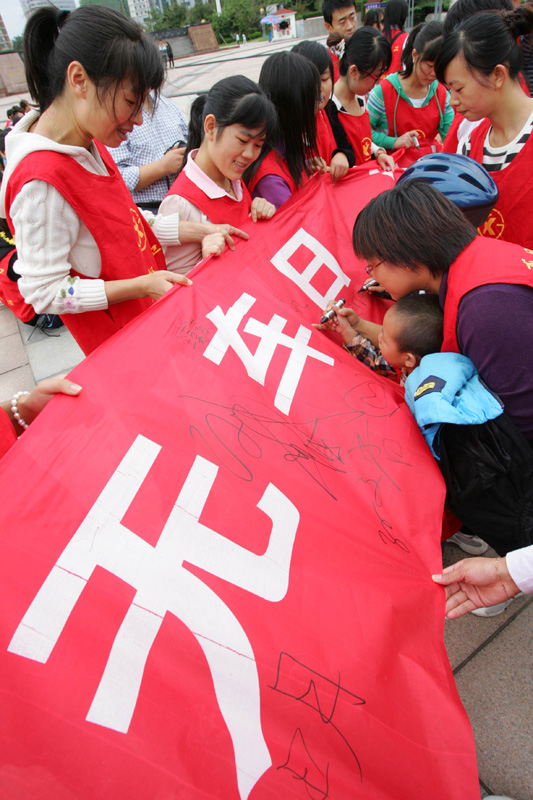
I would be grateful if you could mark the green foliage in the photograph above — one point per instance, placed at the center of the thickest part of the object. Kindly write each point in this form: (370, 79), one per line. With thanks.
(238, 16)
(17, 43)
(199, 12)
(174, 16)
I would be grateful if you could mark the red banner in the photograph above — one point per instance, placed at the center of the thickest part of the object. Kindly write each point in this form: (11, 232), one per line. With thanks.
(215, 562)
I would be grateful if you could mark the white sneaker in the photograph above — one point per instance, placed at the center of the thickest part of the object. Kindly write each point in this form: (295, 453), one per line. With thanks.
(497, 797)
(470, 544)
(492, 611)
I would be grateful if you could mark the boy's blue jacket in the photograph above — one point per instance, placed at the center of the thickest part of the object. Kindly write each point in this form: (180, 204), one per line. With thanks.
(445, 387)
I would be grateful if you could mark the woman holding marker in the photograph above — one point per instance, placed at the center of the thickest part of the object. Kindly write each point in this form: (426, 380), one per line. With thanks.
(410, 109)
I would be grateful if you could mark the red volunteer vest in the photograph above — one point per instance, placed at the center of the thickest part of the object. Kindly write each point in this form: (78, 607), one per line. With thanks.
(8, 436)
(9, 293)
(325, 139)
(403, 117)
(336, 65)
(359, 135)
(397, 41)
(127, 246)
(480, 263)
(219, 210)
(274, 164)
(511, 218)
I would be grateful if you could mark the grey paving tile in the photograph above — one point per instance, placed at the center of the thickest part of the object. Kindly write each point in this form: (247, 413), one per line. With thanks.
(12, 353)
(8, 322)
(496, 688)
(52, 355)
(16, 380)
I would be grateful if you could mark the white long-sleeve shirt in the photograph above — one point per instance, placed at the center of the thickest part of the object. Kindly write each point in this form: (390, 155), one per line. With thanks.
(51, 238)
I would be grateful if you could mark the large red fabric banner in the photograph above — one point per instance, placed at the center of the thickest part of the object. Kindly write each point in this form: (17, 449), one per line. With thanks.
(215, 562)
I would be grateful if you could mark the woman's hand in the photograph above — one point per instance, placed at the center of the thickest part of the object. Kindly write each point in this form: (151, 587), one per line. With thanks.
(156, 284)
(228, 231)
(385, 161)
(408, 139)
(30, 405)
(261, 209)
(338, 167)
(317, 164)
(344, 322)
(476, 583)
(213, 244)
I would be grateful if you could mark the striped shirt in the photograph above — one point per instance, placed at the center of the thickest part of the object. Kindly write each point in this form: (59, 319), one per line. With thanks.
(497, 158)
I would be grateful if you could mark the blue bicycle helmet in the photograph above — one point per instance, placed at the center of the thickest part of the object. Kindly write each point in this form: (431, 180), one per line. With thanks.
(461, 179)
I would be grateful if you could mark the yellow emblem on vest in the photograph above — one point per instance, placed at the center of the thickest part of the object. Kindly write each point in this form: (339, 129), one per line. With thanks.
(424, 388)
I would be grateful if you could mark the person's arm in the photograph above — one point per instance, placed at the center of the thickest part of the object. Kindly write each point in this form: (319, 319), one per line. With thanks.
(447, 118)
(274, 189)
(169, 164)
(476, 583)
(378, 119)
(28, 405)
(347, 324)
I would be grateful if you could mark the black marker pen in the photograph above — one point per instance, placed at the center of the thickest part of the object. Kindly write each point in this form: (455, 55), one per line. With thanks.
(331, 313)
(364, 288)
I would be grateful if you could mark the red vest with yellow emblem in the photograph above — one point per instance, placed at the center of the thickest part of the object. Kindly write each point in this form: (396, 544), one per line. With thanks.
(510, 219)
(359, 135)
(403, 117)
(481, 263)
(127, 246)
(397, 42)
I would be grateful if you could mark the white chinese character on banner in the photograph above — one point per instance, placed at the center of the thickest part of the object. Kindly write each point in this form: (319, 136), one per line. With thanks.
(270, 336)
(321, 259)
(164, 585)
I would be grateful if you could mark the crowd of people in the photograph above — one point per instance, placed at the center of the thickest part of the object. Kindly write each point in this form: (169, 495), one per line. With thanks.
(100, 136)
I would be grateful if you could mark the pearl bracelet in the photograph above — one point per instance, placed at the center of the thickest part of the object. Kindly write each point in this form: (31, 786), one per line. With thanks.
(15, 411)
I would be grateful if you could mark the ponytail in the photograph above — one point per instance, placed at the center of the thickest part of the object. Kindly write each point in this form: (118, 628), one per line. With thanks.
(110, 48)
(426, 40)
(486, 40)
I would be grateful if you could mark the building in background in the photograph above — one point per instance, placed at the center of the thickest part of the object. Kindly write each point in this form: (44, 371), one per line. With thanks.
(140, 10)
(29, 6)
(5, 41)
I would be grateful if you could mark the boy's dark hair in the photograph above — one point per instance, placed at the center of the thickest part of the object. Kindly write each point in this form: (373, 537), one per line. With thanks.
(110, 47)
(329, 6)
(462, 9)
(412, 225)
(486, 40)
(368, 50)
(395, 15)
(422, 321)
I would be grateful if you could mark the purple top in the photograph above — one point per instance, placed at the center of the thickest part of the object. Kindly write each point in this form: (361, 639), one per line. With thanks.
(273, 188)
(495, 330)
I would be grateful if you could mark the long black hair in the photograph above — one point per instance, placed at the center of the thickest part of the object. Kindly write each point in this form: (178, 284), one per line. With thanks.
(395, 15)
(232, 101)
(110, 47)
(293, 84)
(317, 54)
(412, 225)
(486, 40)
(368, 50)
(426, 39)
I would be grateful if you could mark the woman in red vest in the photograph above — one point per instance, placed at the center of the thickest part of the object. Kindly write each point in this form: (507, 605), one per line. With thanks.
(393, 22)
(293, 84)
(480, 62)
(413, 239)
(409, 109)
(227, 130)
(332, 143)
(84, 251)
(366, 57)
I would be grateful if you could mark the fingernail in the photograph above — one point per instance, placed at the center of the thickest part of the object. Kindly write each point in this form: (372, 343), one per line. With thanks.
(74, 388)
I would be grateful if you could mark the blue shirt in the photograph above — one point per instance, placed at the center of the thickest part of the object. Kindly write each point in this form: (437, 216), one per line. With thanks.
(147, 143)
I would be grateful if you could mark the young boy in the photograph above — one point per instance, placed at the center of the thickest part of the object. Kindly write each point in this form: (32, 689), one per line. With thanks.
(412, 328)
(339, 17)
